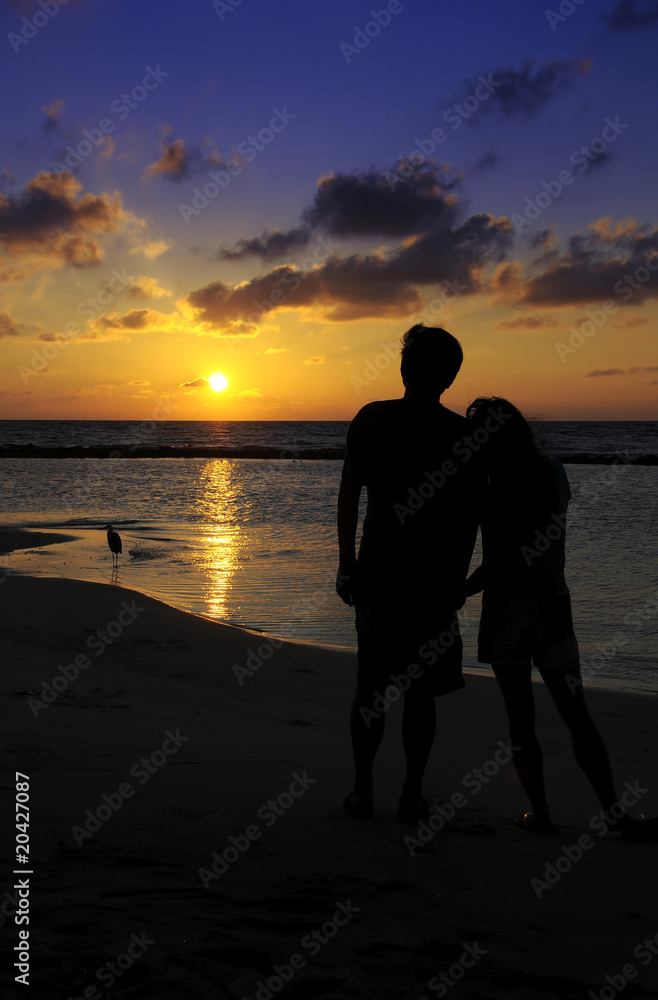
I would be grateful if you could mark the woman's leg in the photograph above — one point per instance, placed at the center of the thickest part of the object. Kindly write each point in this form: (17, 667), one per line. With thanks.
(516, 687)
(566, 689)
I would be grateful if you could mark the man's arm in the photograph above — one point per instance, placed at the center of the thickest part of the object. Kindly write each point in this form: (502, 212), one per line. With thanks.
(348, 515)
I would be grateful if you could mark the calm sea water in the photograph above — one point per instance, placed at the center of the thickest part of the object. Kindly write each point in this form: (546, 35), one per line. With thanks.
(252, 541)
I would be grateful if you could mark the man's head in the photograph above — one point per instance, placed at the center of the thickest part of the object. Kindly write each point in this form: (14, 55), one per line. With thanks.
(431, 358)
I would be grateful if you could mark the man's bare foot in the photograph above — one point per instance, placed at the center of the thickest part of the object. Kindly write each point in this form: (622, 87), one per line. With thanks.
(528, 821)
(358, 805)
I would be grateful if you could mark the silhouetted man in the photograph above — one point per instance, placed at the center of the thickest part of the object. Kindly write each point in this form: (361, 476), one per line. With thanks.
(412, 454)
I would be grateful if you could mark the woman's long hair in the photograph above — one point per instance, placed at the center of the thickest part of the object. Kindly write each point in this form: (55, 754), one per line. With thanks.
(505, 436)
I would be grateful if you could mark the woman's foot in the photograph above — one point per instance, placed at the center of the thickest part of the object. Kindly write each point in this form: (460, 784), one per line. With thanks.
(358, 805)
(536, 824)
(639, 830)
(412, 808)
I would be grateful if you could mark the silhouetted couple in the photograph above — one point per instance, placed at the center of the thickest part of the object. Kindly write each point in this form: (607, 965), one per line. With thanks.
(432, 476)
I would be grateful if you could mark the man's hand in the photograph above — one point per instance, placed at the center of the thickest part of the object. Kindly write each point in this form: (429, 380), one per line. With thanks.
(345, 578)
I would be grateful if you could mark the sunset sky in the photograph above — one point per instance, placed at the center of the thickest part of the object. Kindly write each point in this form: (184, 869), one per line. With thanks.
(275, 192)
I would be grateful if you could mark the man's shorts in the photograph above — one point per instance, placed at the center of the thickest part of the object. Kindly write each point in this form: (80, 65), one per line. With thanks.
(535, 629)
(416, 642)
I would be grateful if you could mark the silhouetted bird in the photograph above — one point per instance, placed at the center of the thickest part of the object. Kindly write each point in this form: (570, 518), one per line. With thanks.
(114, 541)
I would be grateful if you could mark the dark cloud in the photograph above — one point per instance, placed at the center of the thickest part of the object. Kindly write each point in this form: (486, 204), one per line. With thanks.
(53, 115)
(526, 323)
(489, 161)
(631, 15)
(8, 326)
(606, 371)
(196, 383)
(642, 368)
(269, 246)
(49, 221)
(604, 263)
(177, 162)
(368, 285)
(363, 204)
(522, 93)
(134, 319)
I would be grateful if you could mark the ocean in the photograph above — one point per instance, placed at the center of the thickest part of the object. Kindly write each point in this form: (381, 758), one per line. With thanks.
(236, 521)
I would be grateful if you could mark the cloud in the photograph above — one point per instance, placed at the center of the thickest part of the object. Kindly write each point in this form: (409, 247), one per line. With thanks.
(52, 225)
(628, 324)
(522, 93)
(8, 326)
(631, 15)
(489, 161)
(177, 161)
(606, 261)
(277, 350)
(269, 246)
(147, 288)
(621, 371)
(139, 381)
(360, 204)
(134, 319)
(442, 244)
(53, 115)
(196, 383)
(526, 323)
(153, 249)
(319, 359)
(255, 393)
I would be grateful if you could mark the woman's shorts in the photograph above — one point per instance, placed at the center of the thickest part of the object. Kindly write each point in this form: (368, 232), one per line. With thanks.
(535, 629)
(405, 643)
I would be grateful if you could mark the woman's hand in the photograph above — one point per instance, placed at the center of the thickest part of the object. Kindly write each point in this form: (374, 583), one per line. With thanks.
(345, 578)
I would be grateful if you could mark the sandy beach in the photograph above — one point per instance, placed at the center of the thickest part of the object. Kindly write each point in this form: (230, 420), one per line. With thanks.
(187, 839)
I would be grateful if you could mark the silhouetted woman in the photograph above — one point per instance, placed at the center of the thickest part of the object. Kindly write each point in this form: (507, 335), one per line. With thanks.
(526, 606)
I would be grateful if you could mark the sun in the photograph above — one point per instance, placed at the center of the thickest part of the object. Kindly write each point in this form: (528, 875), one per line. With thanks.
(218, 383)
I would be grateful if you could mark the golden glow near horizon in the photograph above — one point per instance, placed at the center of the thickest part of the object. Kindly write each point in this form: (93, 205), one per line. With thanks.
(218, 382)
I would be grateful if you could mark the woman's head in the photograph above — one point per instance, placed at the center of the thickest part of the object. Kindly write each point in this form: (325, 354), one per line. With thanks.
(501, 432)
(431, 358)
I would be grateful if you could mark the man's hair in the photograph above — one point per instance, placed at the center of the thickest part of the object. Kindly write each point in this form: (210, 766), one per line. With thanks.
(431, 357)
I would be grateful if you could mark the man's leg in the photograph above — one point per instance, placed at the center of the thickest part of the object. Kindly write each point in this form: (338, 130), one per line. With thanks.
(418, 731)
(516, 687)
(367, 728)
